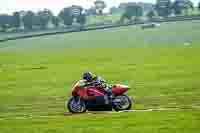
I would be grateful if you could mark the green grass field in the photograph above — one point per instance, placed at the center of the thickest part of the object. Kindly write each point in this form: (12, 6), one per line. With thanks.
(161, 65)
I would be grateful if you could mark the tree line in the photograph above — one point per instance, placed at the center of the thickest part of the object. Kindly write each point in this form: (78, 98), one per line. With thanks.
(40, 20)
(28, 20)
(162, 8)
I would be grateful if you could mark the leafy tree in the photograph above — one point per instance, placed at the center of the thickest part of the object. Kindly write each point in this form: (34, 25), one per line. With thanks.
(55, 21)
(16, 20)
(36, 21)
(181, 6)
(187, 6)
(124, 17)
(164, 7)
(28, 20)
(91, 11)
(177, 8)
(151, 14)
(44, 17)
(76, 10)
(5, 22)
(81, 19)
(100, 5)
(66, 16)
(199, 5)
(132, 10)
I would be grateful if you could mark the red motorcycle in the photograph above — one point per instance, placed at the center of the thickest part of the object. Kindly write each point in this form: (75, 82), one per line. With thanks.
(96, 98)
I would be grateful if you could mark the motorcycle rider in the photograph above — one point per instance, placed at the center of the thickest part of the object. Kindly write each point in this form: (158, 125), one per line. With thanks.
(89, 80)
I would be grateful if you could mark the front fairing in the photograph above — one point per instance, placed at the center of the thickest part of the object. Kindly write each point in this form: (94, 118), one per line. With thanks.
(119, 89)
(77, 90)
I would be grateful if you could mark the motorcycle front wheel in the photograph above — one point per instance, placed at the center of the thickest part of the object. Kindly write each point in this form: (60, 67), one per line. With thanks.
(76, 105)
(121, 103)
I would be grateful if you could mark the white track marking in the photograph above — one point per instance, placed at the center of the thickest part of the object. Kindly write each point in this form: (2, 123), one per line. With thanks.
(100, 112)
